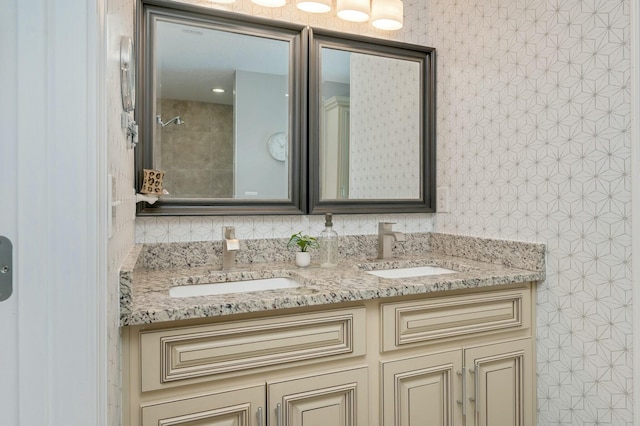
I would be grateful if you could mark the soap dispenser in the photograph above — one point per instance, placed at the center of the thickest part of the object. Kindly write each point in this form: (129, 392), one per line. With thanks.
(328, 244)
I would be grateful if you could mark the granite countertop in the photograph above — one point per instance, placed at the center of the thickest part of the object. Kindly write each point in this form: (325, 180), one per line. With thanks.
(144, 287)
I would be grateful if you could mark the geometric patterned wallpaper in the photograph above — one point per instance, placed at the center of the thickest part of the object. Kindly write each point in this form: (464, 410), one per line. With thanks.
(534, 144)
(533, 116)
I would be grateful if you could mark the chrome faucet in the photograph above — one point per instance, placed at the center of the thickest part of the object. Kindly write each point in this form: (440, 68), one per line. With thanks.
(230, 245)
(386, 235)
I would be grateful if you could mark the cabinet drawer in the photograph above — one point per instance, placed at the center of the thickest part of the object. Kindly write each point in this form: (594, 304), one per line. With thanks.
(200, 352)
(412, 323)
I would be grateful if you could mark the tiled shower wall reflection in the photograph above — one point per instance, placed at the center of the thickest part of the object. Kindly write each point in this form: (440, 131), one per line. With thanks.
(197, 156)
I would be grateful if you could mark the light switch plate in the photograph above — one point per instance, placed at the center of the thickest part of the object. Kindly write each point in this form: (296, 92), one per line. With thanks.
(442, 197)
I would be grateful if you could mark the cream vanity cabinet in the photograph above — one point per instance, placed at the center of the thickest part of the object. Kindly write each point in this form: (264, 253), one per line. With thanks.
(448, 358)
(478, 366)
(338, 398)
(252, 372)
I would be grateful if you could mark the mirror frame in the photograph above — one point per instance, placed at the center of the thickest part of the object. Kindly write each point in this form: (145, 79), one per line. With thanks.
(425, 56)
(150, 10)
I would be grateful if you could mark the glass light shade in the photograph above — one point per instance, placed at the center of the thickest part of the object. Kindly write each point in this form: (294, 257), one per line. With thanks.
(270, 3)
(387, 14)
(353, 10)
(314, 6)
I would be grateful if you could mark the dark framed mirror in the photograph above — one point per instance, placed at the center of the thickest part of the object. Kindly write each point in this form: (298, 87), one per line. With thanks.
(222, 112)
(371, 125)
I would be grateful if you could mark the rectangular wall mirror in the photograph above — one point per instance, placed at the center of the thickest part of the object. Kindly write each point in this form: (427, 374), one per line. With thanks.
(221, 111)
(371, 125)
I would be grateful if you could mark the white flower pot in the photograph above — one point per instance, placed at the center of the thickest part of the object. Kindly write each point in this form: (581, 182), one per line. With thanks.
(303, 258)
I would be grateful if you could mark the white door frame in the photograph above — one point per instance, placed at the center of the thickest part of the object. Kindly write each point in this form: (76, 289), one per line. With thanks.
(53, 126)
(635, 201)
(8, 215)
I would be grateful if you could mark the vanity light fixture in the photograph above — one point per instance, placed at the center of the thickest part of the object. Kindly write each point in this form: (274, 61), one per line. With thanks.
(353, 10)
(387, 14)
(218, 90)
(384, 14)
(270, 3)
(314, 6)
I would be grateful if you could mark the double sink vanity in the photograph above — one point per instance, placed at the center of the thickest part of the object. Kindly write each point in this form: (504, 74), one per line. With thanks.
(443, 329)
(437, 329)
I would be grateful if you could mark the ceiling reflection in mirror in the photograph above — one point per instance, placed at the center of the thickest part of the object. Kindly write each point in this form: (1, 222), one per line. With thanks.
(221, 113)
(370, 112)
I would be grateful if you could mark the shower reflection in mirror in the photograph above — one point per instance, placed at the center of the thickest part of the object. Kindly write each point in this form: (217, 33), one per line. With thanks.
(176, 120)
(202, 81)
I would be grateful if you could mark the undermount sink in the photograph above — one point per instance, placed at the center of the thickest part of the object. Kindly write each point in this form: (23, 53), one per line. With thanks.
(245, 286)
(418, 271)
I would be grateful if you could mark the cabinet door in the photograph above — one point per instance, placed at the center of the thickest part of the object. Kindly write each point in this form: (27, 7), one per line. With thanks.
(336, 399)
(422, 390)
(243, 407)
(501, 384)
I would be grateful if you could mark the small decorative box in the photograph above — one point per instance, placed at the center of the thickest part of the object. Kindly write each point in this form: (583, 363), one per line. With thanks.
(152, 183)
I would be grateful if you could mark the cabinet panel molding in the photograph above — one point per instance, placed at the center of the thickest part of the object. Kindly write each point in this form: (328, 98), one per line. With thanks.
(179, 354)
(502, 381)
(424, 321)
(336, 399)
(241, 407)
(423, 387)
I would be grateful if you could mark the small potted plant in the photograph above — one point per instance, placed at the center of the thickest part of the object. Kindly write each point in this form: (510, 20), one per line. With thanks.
(305, 242)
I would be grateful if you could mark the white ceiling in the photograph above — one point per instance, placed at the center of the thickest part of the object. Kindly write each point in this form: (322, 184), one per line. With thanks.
(190, 61)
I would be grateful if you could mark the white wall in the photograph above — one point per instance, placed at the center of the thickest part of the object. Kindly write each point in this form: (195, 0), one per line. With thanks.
(260, 99)
(534, 144)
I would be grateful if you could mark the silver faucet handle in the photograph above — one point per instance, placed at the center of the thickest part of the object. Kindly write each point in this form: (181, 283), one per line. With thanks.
(228, 232)
(230, 243)
(385, 226)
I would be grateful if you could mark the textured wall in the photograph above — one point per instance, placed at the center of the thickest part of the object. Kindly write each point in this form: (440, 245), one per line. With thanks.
(120, 165)
(533, 142)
